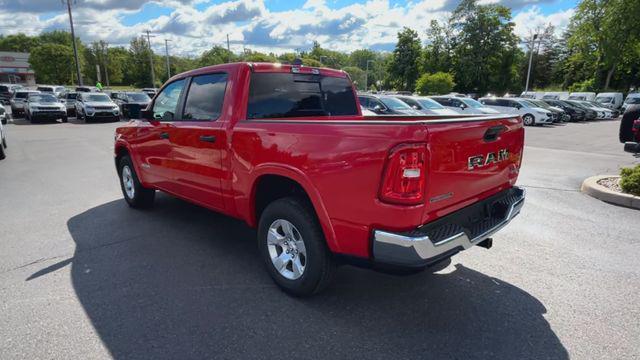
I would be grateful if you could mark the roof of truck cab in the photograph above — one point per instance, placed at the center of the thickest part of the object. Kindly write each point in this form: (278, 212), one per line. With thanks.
(263, 67)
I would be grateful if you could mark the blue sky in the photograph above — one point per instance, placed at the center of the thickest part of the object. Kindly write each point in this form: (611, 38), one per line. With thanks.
(265, 25)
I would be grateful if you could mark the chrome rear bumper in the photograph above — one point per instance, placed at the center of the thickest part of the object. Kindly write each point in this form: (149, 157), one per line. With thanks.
(445, 237)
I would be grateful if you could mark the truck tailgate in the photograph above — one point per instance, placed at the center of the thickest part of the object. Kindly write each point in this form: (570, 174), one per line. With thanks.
(469, 161)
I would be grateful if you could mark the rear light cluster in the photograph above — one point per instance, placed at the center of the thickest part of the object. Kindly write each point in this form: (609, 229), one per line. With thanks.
(636, 129)
(405, 175)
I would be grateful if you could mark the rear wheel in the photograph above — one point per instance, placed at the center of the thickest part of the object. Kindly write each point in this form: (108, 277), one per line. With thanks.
(528, 120)
(3, 154)
(65, 119)
(136, 195)
(293, 247)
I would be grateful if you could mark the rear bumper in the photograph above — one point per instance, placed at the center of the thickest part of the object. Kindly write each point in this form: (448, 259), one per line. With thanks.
(449, 235)
(632, 147)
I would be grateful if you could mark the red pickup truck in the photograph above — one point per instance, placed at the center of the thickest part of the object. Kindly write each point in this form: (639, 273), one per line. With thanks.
(286, 149)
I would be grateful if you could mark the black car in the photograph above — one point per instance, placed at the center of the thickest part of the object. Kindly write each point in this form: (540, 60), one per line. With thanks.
(589, 113)
(131, 103)
(576, 113)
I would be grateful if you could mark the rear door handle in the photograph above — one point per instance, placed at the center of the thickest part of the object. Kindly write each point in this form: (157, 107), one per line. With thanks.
(208, 138)
(164, 135)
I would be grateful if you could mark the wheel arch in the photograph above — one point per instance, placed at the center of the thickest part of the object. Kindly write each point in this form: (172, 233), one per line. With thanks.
(275, 182)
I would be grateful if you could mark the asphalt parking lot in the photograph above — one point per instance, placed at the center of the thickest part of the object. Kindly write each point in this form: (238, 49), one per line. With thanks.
(84, 276)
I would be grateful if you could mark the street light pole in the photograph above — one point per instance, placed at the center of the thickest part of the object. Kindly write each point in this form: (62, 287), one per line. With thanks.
(366, 76)
(533, 41)
(73, 41)
(166, 50)
(228, 50)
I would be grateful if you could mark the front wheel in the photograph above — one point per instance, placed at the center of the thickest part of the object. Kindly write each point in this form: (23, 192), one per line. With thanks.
(293, 247)
(136, 195)
(65, 119)
(528, 120)
(3, 154)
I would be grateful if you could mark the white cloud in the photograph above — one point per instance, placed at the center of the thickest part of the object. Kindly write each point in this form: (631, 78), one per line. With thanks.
(249, 23)
(531, 20)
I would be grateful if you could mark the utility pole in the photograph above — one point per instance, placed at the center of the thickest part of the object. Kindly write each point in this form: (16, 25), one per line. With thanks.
(228, 49)
(533, 42)
(73, 41)
(153, 75)
(166, 51)
(105, 51)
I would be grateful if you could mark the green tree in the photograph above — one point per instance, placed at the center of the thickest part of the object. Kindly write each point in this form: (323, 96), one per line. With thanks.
(603, 34)
(216, 55)
(18, 43)
(435, 84)
(438, 54)
(52, 63)
(357, 75)
(403, 67)
(328, 58)
(484, 36)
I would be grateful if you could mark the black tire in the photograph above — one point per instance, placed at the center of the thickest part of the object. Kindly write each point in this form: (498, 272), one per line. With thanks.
(142, 197)
(65, 119)
(626, 124)
(4, 121)
(319, 264)
(3, 154)
(528, 120)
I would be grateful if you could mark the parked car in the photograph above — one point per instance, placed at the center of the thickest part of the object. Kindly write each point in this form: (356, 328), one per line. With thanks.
(3, 116)
(575, 113)
(632, 99)
(531, 95)
(531, 113)
(131, 103)
(558, 114)
(19, 100)
(87, 89)
(609, 113)
(603, 113)
(300, 163)
(385, 105)
(55, 90)
(630, 129)
(611, 100)
(96, 107)
(150, 91)
(6, 92)
(590, 113)
(45, 106)
(555, 95)
(464, 105)
(69, 100)
(3, 135)
(426, 105)
(589, 96)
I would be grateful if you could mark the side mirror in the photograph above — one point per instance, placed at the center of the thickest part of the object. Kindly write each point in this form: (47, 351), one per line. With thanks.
(463, 106)
(415, 107)
(146, 115)
(378, 109)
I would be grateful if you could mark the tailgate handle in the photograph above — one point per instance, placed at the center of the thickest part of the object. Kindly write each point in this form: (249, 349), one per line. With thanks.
(493, 132)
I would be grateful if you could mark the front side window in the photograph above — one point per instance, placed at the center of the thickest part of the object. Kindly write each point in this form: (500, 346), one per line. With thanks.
(427, 103)
(281, 95)
(205, 97)
(394, 103)
(164, 108)
(471, 103)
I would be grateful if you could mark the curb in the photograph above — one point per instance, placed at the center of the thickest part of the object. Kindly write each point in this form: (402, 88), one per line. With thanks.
(591, 187)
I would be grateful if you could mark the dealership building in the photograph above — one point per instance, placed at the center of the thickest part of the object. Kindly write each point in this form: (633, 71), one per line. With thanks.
(15, 68)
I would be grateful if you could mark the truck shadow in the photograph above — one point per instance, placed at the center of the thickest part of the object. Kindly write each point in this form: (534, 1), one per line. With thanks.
(182, 282)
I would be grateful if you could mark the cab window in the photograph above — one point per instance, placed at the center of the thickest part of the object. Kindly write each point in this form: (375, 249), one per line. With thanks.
(205, 97)
(164, 108)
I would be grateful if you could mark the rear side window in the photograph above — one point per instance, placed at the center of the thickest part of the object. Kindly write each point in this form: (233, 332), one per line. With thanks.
(205, 97)
(281, 95)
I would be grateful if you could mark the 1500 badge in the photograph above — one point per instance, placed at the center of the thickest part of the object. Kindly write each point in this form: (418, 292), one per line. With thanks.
(479, 161)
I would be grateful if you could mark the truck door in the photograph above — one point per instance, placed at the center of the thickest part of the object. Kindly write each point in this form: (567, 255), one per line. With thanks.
(152, 144)
(198, 141)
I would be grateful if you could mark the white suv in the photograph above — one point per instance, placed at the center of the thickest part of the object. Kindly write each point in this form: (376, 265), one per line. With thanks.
(530, 112)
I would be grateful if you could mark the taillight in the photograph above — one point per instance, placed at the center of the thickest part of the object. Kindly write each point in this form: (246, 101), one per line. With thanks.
(405, 175)
(636, 126)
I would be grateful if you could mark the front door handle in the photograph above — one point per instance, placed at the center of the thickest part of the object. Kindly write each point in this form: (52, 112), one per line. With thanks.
(164, 135)
(208, 138)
